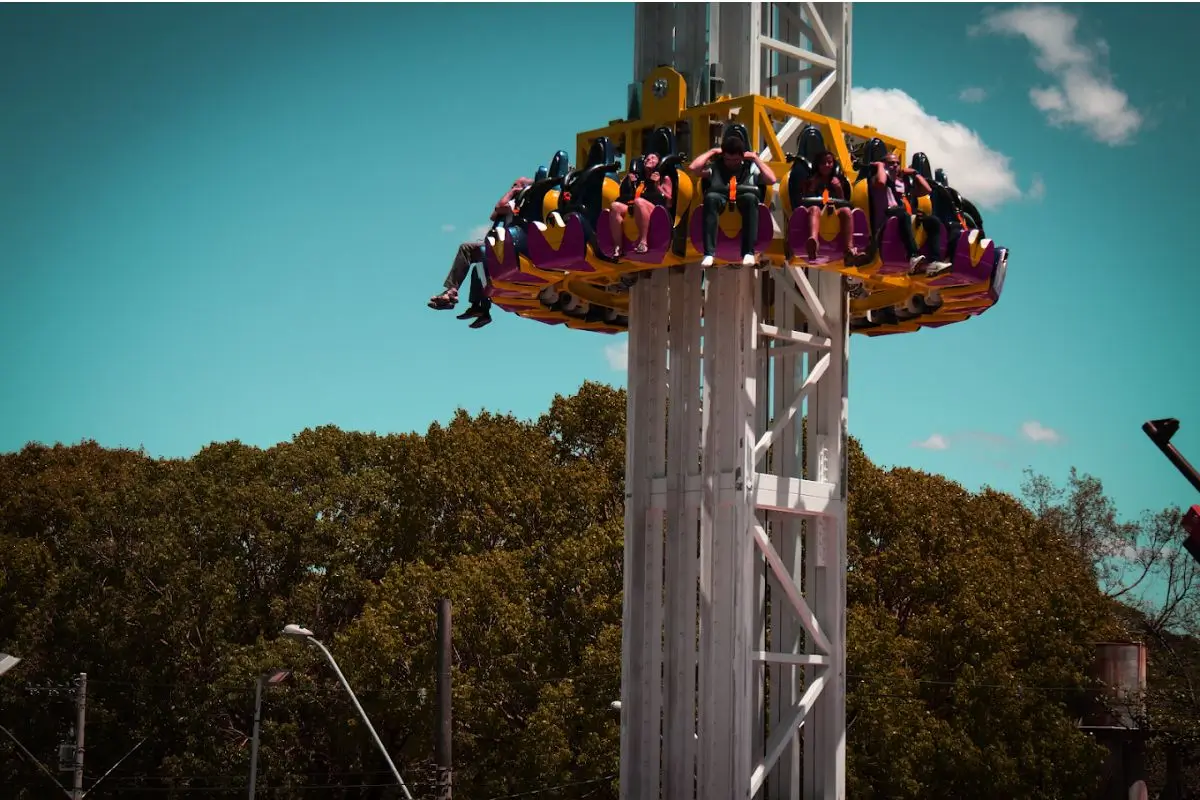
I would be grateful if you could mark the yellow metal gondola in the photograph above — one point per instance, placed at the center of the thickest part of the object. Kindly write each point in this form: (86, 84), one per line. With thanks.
(556, 263)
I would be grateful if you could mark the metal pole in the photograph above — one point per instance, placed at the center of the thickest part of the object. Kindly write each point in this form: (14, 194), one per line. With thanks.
(443, 755)
(258, 688)
(363, 714)
(1160, 432)
(80, 719)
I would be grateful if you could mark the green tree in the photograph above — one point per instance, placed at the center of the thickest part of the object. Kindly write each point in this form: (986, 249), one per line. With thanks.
(168, 581)
(970, 631)
(1141, 564)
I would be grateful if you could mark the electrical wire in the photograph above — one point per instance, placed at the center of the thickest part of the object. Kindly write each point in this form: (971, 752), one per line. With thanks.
(545, 789)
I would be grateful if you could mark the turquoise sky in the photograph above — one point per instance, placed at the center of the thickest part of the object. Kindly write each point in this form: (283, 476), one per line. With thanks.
(223, 221)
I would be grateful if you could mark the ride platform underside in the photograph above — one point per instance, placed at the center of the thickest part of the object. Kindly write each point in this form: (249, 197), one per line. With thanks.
(553, 261)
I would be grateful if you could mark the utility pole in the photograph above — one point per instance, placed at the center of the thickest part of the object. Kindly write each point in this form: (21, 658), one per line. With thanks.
(258, 687)
(80, 720)
(442, 755)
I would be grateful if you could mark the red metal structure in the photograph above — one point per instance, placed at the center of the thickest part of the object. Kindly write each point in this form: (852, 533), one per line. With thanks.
(1160, 432)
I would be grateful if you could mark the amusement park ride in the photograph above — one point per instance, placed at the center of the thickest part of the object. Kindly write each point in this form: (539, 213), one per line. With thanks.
(733, 668)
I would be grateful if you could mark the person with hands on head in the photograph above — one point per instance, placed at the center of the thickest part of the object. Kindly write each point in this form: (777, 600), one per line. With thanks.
(890, 194)
(739, 175)
(470, 254)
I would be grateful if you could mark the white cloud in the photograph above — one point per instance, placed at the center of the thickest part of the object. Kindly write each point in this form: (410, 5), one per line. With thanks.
(1035, 431)
(617, 355)
(1083, 92)
(934, 442)
(477, 233)
(1037, 189)
(979, 172)
(973, 94)
(447, 228)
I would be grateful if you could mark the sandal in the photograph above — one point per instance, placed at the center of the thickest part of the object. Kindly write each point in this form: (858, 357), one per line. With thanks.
(444, 301)
(640, 247)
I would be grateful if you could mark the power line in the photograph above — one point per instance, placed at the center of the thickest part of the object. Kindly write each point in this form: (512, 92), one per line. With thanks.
(545, 789)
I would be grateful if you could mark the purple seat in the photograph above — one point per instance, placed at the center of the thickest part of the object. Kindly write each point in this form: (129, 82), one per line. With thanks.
(999, 272)
(729, 248)
(559, 248)
(502, 261)
(828, 249)
(972, 263)
(893, 256)
(658, 240)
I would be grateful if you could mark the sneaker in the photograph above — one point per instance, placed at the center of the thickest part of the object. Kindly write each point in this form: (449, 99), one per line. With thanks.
(915, 263)
(707, 261)
(472, 313)
(937, 268)
(749, 260)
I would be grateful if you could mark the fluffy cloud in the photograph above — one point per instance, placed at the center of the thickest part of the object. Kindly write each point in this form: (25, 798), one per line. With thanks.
(1035, 431)
(1082, 92)
(979, 172)
(973, 94)
(934, 442)
(617, 355)
(478, 232)
(447, 228)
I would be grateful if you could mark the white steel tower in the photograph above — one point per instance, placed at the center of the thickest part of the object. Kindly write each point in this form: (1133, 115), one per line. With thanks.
(733, 667)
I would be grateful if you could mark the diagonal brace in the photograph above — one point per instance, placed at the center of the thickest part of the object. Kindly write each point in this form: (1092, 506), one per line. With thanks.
(789, 413)
(815, 311)
(799, 337)
(784, 733)
(788, 583)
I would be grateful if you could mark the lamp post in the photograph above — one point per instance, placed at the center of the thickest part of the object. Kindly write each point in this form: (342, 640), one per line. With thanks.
(271, 678)
(297, 632)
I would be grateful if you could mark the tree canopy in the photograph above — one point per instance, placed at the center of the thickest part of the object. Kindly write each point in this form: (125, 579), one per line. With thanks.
(971, 617)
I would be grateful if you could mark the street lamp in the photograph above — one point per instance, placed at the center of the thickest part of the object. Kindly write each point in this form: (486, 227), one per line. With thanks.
(297, 632)
(271, 678)
(7, 662)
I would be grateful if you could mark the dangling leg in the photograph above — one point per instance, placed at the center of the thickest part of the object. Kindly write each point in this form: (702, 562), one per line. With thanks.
(846, 218)
(616, 216)
(747, 203)
(481, 304)
(641, 217)
(933, 231)
(468, 253)
(814, 231)
(714, 204)
(915, 259)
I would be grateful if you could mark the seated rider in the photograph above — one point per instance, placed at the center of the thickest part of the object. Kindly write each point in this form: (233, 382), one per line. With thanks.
(947, 211)
(471, 253)
(890, 198)
(826, 185)
(739, 175)
(648, 190)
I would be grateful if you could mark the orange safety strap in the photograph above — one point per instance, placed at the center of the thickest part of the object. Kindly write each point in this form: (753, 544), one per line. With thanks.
(907, 205)
(825, 197)
(733, 190)
(641, 187)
